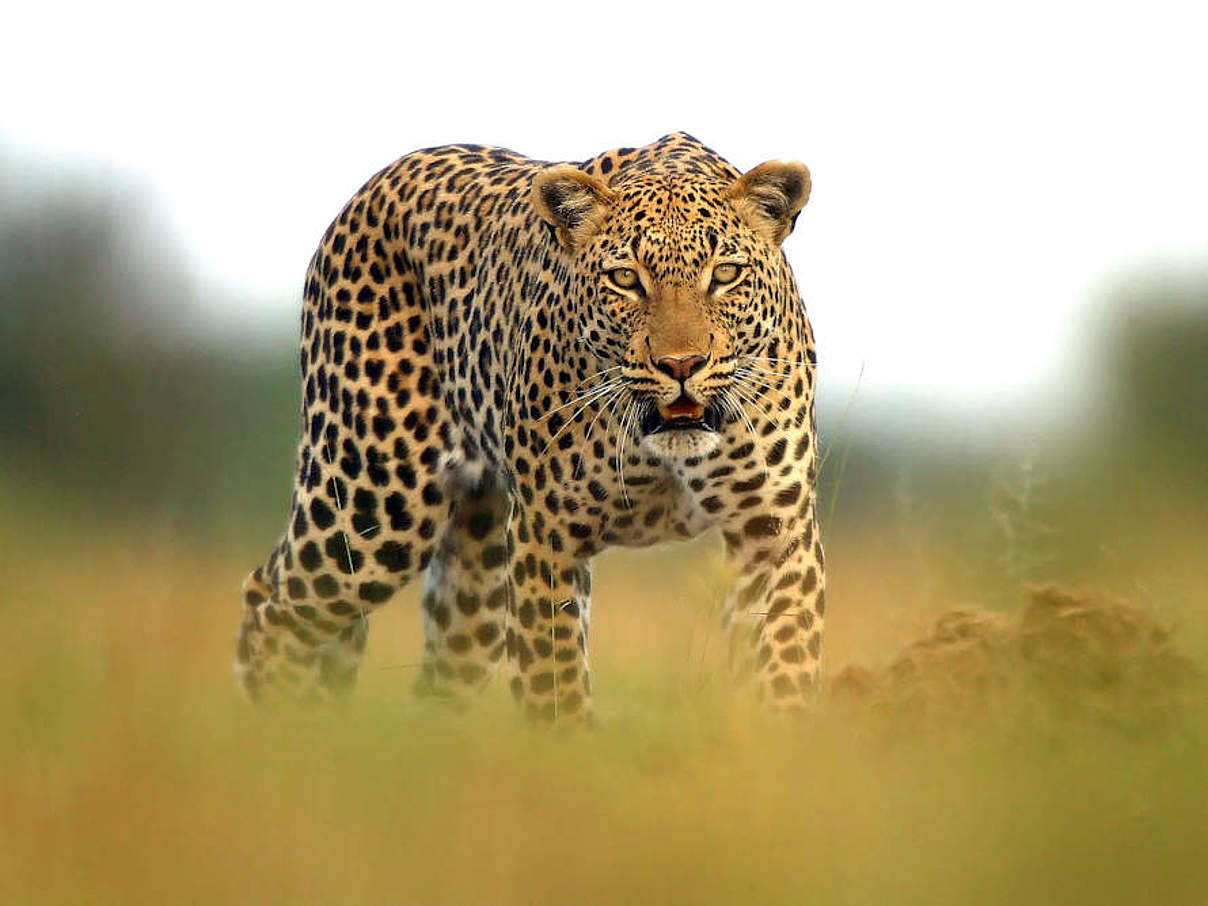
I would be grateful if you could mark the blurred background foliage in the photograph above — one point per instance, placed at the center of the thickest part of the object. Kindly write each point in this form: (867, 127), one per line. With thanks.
(114, 400)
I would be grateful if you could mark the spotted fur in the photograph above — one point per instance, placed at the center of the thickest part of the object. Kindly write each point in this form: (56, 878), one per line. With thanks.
(509, 366)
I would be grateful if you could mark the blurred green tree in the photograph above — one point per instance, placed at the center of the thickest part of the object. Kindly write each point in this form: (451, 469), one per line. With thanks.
(107, 398)
(1155, 363)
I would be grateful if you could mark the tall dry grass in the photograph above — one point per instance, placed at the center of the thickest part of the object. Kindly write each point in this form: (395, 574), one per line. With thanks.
(131, 772)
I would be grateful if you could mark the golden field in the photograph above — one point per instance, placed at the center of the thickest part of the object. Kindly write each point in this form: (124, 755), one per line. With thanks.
(132, 772)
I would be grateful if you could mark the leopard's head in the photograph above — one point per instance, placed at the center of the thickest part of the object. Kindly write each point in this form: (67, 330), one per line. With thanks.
(679, 285)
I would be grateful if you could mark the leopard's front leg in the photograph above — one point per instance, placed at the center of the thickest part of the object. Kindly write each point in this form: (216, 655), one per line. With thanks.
(547, 621)
(774, 612)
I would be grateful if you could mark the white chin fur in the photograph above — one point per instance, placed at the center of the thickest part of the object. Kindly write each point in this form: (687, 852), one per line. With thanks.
(681, 444)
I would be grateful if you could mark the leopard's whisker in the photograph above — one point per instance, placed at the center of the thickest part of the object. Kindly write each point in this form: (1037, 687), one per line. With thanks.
(602, 406)
(758, 381)
(764, 369)
(729, 395)
(773, 371)
(592, 392)
(570, 421)
(749, 369)
(751, 427)
(744, 399)
(782, 372)
(600, 373)
(764, 358)
(605, 403)
(622, 431)
(754, 390)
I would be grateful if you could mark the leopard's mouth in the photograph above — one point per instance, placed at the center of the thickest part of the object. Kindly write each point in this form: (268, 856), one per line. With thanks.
(682, 415)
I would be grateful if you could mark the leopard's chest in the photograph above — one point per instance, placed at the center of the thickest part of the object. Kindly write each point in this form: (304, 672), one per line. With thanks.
(651, 506)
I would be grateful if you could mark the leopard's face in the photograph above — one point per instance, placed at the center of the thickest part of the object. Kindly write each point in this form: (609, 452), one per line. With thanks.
(678, 288)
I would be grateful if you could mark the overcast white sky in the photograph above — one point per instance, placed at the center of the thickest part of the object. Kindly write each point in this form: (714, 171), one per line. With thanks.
(979, 169)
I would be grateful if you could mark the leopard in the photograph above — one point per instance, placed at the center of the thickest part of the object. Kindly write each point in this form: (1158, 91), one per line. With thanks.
(510, 365)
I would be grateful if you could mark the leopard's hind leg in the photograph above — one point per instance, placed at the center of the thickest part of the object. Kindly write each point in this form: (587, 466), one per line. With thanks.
(465, 596)
(349, 548)
(287, 650)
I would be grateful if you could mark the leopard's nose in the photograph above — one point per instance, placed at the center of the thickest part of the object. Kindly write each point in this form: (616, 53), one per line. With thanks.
(680, 367)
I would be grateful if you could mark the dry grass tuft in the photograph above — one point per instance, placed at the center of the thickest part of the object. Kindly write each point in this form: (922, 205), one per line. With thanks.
(1071, 655)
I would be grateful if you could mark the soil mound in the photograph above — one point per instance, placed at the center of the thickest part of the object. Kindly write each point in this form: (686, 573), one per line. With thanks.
(1065, 655)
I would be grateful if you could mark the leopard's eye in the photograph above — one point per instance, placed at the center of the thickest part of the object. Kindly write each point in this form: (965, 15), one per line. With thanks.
(624, 277)
(725, 274)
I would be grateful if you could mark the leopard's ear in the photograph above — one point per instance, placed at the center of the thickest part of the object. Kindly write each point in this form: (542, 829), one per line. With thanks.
(770, 197)
(572, 202)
